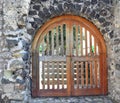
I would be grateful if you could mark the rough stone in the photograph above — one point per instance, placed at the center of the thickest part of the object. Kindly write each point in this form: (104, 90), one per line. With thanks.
(8, 88)
(16, 64)
(93, 2)
(15, 14)
(36, 7)
(32, 12)
(12, 43)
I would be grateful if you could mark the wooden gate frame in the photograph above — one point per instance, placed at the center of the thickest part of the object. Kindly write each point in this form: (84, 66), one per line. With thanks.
(35, 47)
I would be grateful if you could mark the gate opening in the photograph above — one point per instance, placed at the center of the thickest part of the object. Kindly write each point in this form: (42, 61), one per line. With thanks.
(69, 59)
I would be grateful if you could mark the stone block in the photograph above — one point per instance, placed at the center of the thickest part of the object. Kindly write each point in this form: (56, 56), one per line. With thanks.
(8, 88)
(117, 71)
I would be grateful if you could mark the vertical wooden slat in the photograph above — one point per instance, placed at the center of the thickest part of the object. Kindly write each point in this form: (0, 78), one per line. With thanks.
(86, 73)
(68, 59)
(86, 63)
(62, 41)
(64, 37)
(76, 40)
(81, 40)
(98, 63)
(53, 42)
(57, 75)
(95, 46)
(43, 48)
(95, 67)
(48, 45)
(48, 80)
(62, 67)
(43, 75)
(53, 76)
(71, 40)
(77, 66)
(57, 41)
(82, 74)
(86, 47)
(91, 75)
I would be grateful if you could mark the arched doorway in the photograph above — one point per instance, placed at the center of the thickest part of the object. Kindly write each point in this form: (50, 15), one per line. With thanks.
(68, 58)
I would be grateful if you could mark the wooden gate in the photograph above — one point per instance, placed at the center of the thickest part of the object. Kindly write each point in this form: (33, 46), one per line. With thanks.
(69, 59)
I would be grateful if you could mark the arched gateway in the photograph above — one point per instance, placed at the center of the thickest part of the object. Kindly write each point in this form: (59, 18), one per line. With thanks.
(68, 58)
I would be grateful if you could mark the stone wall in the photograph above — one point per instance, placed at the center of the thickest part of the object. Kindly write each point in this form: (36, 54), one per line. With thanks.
(20, 19)
(116, 48)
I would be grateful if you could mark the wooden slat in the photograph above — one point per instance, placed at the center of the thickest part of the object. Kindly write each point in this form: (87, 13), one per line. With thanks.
(64, 37)
(90, 44)
(67, 40)
(76, 40)
(48, 44)
(55, 70)
(95, 67)
(77, 65)
(53, 31)
(81, 40)
(57, 41)
(48, 75)
(43, 48)
(85, 58)
(91, 74)
(53, 76)
(95, 44)
(57, 75)
(86, 47)
(62, 74)
(98, 63)
(55, 82)
(86, 63)
(71, 40)
(43, 76)
(82, 74)
(52, 58)
(62, 41)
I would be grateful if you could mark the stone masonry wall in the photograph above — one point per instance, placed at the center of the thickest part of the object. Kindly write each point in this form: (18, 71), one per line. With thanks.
(14, 45)
(116, 48)
(20, 19)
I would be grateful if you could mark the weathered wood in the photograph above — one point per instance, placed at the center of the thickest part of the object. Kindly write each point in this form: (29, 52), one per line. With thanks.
(53, 32)
(81, 40)
(52, 58)
(53, 75)
(79, 70)
(96, 71)
(58, 76)
(43, 76)
(76, 40)
(86, 47)
(62, 41)
(85, 58)
(48, 75)
(63, 75)
(91, 74)
(77, 66)
(82, 74)
(86, 63)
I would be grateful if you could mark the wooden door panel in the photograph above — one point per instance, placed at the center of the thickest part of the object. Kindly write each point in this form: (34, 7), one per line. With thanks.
(52, 63)
(69, 59)
(85, 61)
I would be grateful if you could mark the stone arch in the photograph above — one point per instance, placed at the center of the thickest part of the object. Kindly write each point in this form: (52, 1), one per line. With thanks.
(41, 11)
